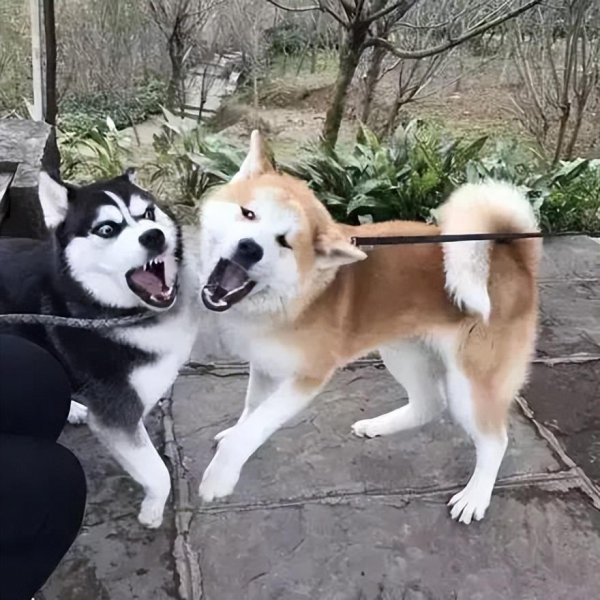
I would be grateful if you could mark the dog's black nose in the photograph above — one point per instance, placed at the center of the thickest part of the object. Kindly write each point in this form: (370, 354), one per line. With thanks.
(248, 252)
(153, 239)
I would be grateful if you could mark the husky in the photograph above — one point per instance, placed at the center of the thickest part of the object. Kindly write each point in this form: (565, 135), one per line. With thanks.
(455, 324)
(111, 252)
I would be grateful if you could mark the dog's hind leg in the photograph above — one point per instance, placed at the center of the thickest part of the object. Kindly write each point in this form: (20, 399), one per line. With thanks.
(490, 445)
(415, 367)
(260, 387)
(78, 413)
(137, 455)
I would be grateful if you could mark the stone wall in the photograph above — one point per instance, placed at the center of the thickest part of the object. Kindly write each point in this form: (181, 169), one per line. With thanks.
(32, 145)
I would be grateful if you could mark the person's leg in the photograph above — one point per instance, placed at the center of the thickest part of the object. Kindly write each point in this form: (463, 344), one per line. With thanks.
(42, 500)
(42, 485)
(35, 393)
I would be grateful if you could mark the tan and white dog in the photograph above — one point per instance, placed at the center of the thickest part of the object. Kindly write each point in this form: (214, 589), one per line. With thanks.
(454, 324)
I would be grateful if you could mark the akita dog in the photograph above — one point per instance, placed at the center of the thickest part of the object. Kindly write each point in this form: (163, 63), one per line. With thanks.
(454, 323)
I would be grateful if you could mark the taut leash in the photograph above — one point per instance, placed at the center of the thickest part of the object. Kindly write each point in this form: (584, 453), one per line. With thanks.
(393, 240)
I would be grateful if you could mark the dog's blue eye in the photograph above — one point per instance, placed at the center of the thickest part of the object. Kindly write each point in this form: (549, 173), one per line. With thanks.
(149, 214)
(106, 230)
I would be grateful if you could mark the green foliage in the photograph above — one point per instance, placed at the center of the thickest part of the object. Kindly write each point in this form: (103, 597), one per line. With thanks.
(407, 177)
(403, 179)
(413, 173)
(97, 154)
(189, 162)
(566, 197)
(82, 113)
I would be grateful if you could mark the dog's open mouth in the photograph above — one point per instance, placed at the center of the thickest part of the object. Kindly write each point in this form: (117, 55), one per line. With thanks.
(155, 282)
(226, 286)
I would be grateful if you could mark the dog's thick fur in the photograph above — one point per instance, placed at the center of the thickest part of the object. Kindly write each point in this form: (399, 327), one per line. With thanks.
(79, 271)
(454, 324)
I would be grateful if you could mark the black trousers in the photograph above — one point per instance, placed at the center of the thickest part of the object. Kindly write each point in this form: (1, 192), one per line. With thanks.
(42, 485)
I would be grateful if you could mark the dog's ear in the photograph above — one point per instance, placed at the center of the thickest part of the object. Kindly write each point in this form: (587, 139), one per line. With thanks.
(334, 250)
(130, 174)
(54, 199)
(257, 161)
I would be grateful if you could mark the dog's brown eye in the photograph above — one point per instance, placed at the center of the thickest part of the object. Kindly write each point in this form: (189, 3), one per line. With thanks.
(150, 214)
(283, 242)
(248, 214)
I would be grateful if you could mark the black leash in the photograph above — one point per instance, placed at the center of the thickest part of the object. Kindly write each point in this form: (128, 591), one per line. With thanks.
(467, 237)
(56, 321)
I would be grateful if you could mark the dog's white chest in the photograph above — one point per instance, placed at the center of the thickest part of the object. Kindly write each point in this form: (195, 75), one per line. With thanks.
(171, 341)
(264, 351)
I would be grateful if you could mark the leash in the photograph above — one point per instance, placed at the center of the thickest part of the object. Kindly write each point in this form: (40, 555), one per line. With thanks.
(90, 324)
(468, 237)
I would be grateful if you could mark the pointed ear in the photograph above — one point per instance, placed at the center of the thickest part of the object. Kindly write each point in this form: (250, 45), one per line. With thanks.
(335, 251)
(257, 161)
(53, 199)
(131, 175)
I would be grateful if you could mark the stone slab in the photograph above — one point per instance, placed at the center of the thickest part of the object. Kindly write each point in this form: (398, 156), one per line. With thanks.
(114, 557)
(566, 399)
(32, 144)
(570, 258)
(569, 318)
(317, 454)
(532, 546)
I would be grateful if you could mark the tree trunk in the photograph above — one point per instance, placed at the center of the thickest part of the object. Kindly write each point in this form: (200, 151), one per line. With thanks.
(175, 95)
(50, 39)
(390, 125)
(370, 83)
(579, 112)
(350, 52)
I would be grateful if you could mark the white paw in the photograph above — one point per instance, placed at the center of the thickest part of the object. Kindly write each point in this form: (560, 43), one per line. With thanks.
(470, 503)
(78, 414)
(151, 513)
(222, 434)
(366, 428)
(217, 482)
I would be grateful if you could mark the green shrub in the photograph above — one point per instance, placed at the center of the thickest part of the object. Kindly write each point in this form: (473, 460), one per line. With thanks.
(81, 113)
(403, 179)
(415, 171)
(407, 177)
(189, 162)
(97, 154)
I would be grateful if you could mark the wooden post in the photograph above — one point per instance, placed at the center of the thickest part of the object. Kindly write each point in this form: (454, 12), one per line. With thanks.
(50, 100)
(36, 60)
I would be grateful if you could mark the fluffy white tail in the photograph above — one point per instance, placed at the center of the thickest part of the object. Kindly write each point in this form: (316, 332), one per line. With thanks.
(490, 207)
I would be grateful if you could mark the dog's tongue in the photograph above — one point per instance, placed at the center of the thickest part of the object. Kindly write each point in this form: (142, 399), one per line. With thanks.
(148, 281)
(227, 284)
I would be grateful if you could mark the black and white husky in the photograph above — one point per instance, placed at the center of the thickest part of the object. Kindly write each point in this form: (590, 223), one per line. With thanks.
(111, 252)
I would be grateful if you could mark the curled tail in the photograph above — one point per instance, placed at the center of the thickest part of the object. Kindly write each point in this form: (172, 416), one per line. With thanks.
(490, 207)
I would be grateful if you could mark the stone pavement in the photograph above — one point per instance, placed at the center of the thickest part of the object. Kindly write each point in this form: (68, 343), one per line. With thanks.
(321, 515)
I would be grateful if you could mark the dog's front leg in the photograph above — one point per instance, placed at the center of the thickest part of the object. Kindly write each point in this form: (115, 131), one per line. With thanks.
(288, 399)
(260, 387)
(135, 452)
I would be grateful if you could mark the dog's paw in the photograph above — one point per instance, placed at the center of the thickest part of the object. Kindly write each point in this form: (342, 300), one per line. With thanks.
(366, 428)
(470, 503)
(151, 513)
(217, 483)
(222, 434)
(78, 414)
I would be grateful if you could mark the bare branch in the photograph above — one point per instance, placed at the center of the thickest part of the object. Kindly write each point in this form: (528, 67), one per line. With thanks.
(451, 43)
(295, 9)
(402, 7)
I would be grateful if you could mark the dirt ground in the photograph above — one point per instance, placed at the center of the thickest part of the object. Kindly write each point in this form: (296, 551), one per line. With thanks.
(469, 97)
